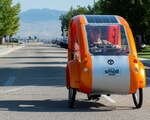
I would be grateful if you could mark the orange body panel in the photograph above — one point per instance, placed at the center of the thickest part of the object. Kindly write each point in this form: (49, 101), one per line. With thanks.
(72, 75)
(86, 76)
(84, 81)
(137, 71)
(142, 78)
(79, 80)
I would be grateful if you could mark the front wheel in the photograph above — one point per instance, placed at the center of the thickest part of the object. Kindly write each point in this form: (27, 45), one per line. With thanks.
(71, 97)
(138, 98)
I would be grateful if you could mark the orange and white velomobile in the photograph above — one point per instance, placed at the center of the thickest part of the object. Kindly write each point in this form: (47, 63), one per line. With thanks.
(109, 67)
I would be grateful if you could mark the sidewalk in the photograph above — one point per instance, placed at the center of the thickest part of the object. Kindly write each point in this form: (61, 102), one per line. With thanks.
(4, 49)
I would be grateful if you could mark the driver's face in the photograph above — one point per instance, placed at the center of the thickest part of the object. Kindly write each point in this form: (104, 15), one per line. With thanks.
(95, 35)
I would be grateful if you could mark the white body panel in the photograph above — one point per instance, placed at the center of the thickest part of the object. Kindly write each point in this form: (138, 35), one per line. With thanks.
(110, 79)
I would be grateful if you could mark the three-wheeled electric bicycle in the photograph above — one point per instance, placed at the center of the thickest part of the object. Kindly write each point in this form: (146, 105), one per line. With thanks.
(102, 59)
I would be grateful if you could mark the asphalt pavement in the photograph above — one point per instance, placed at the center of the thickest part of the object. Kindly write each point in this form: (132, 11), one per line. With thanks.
(32, 86)
(5, 49)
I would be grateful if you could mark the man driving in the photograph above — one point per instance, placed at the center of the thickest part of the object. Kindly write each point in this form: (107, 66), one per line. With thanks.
(95, 37)
(95, 41)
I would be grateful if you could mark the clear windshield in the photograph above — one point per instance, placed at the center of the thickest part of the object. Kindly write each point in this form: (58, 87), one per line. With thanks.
(107, 39)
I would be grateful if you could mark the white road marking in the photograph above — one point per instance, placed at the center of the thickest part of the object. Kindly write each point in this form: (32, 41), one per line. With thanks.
(10, 81)
(109, 98)
(12, 90)
(15, 89)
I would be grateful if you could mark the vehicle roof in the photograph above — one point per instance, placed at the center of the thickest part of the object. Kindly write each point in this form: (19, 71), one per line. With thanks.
(97, 19)
(101, 19)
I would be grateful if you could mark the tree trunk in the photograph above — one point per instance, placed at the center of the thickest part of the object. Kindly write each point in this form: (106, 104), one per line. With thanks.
(3, 40)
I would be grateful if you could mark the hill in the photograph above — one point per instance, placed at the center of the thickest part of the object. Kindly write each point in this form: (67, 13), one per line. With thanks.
(43, 23)
(45, 14)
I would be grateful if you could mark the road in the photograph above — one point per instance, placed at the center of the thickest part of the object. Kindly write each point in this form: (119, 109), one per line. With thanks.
(32, 87)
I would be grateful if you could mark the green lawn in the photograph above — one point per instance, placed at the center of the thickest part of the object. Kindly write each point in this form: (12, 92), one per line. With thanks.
(145, 53)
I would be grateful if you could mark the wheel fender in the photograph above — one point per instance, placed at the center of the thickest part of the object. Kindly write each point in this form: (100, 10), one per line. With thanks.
(134, 74)
(142, 78)
(138, 79)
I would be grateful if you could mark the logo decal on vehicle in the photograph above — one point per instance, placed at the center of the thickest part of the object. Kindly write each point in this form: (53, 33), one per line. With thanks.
(111, 71)
(110, 62)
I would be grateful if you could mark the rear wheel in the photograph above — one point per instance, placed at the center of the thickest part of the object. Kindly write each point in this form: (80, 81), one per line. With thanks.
(89, 97)
(138, 98)
(71, 97)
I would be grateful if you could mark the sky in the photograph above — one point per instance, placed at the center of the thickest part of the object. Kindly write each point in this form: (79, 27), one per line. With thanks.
(63, 5)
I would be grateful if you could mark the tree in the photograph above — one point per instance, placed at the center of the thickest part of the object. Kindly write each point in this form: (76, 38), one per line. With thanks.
(136, 12)
(15, 20)
(9, 18)
(65, 18)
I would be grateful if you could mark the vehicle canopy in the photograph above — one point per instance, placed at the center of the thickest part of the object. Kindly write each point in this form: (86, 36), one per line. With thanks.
(115, 31)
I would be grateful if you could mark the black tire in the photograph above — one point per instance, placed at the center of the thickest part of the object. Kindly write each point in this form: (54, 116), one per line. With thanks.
(138, 98)
(71, 97)
(89, 97)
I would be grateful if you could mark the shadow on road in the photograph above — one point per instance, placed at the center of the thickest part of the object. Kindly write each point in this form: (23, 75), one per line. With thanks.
(28, 76)
(56, 106)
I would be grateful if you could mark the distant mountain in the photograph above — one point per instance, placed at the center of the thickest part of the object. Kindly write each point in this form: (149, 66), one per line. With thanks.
(33, 15)
(43, 23)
